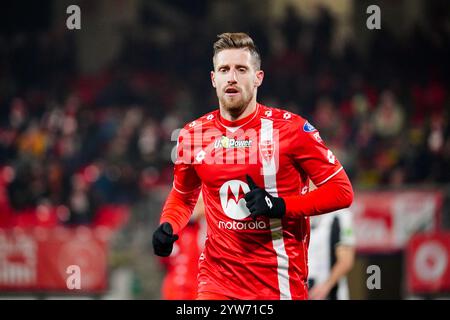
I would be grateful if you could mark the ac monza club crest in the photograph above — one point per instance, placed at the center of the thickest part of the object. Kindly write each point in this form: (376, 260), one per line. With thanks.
(232, 195)
(266, 150)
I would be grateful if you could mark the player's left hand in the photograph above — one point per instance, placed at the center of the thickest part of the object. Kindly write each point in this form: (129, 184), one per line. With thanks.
(260, 203)
(319, 292)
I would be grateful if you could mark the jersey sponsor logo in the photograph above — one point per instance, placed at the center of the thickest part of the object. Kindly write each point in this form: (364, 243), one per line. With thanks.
(307, 127)
(231, 196)
(232, 199)
(226, 143)
(243, 225)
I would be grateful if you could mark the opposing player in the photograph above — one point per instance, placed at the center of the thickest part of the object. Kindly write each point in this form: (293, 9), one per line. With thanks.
(253, 164)
(332, 255)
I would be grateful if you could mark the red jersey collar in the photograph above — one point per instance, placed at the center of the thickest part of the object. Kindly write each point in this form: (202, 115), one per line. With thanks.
(240, 122)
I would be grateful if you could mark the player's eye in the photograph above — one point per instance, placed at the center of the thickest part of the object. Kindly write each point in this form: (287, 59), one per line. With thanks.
(223, 69)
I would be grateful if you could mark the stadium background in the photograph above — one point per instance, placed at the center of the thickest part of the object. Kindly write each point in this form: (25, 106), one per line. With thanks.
(87, 116)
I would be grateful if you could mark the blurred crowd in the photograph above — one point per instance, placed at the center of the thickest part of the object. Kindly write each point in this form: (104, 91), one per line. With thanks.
(86, 140)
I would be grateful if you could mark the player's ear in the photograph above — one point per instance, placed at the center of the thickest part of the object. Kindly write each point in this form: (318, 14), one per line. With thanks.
(213, 80)
(259, 78)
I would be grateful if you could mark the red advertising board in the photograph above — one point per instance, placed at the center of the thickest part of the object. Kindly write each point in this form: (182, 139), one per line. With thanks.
(428, 263)
(384, 221)
(55, 260)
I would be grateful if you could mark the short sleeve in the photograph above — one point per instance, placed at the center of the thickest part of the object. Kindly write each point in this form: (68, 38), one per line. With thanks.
(311, 154)
(347, 235)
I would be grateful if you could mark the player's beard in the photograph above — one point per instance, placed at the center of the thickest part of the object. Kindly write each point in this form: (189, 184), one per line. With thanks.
(235, 107)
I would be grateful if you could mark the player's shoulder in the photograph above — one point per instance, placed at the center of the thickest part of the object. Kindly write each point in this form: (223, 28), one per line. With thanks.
(205, 120)
(288, 117)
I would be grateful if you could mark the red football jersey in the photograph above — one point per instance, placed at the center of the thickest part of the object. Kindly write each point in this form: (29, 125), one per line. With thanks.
(281, 151)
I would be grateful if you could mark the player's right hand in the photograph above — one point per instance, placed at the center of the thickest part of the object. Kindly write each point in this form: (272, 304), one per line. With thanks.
(163, 239)
(261, 203)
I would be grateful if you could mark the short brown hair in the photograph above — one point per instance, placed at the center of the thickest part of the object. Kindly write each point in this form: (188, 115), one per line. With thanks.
(238, 40)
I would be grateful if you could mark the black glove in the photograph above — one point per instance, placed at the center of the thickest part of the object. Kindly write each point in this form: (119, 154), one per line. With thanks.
(260, 203)
(163, 239)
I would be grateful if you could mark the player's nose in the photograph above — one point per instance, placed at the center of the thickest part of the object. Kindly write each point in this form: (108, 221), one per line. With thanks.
(232, 77)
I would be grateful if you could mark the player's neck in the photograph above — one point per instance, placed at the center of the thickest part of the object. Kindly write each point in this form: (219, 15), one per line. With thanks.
(248, 110)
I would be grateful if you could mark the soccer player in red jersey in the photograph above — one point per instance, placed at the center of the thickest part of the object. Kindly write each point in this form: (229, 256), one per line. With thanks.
(253, 164)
